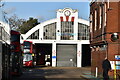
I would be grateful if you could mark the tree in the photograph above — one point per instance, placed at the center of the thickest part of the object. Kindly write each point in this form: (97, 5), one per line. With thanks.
(27, 25)
(15, 22)
(22, 25)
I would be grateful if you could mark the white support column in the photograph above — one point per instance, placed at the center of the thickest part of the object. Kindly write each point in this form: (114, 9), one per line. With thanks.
(41, 33)
(54, 55)
(58, 26)
(76, 26)
(79, 55)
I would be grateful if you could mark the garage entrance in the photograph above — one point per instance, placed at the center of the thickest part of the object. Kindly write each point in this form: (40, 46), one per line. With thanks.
(66, 55)
(44, 54)
(86, 55)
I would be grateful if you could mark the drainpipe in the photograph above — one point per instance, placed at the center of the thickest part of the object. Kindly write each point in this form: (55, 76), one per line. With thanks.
(103, 22)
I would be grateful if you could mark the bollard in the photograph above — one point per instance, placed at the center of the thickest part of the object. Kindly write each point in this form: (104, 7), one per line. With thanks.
(114, 71)
(96, 75)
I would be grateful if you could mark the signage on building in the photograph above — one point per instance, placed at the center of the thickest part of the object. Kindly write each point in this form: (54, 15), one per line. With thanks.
(117, 57)
(53, 56)
(115, 65)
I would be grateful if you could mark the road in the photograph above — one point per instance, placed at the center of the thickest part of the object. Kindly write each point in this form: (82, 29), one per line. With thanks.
(51, 73)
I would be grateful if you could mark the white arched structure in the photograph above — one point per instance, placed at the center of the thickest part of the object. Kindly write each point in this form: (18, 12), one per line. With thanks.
(38, 27)
(67, 28)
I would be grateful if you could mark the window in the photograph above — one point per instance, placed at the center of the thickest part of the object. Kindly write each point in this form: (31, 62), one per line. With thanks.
(83, 32)
(95, 20)
(27, 57)
(15, 38)
(67, 31)
(100, 17)
(49, 32)
(27, 44)
(105, 12)
(91, 25)
(35, 35)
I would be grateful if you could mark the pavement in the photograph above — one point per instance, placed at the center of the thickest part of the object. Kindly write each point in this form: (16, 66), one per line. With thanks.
(55, 73)
(88, 75)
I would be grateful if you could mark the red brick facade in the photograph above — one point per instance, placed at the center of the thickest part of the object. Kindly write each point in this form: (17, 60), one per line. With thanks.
(104, 21)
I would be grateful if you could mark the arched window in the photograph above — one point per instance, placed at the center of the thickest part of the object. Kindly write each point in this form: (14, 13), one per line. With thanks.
(49, 32)
(35, 35)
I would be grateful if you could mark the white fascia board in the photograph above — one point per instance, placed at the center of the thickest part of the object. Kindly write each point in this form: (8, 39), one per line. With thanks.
(85, 42)
(83, 21)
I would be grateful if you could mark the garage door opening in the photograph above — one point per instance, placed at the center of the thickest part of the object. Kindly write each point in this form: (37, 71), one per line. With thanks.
(66, 55)
(44, 54)
(86, 55)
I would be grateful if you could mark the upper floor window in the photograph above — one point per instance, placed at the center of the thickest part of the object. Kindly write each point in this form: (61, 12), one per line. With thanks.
(67, 30)
(95, 20)
(105, 14)
(91, 22)
(34, 35)
(91, 25)
(83, 32)
(100, 14)
(49, 32)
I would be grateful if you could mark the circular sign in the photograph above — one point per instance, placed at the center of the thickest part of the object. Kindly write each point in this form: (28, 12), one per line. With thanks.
(67, 13)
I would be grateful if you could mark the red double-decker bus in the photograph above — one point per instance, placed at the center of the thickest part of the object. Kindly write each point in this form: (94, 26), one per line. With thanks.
(16, 53)
(28, 54)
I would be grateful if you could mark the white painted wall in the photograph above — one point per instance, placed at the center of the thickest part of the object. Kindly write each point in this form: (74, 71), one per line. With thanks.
(60, 12)
(79, 55)
(54, 54)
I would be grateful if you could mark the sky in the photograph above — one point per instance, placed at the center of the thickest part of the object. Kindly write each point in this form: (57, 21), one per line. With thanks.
(44, 10)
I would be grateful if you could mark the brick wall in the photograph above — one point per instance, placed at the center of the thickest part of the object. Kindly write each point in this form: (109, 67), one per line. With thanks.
(102, 36)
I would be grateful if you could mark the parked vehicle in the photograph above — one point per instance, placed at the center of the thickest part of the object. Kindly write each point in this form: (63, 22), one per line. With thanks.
(29, 59)
(16, 53)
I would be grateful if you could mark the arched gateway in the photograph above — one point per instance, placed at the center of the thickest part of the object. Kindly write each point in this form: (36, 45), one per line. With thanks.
(63, 41)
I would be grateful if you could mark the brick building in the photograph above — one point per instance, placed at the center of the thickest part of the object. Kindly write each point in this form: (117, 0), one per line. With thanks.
(104, 22)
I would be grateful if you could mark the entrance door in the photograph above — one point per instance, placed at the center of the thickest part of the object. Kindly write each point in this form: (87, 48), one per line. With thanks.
(66, 55)
(86, 55)
(44, 54)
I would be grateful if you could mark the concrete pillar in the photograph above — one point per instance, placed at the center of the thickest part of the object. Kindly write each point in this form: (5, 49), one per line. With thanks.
(58, 27)
(79, 55)
(76, 26)
(54, 54)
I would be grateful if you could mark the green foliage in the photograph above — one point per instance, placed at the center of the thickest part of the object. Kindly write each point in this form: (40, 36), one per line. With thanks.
(22, 25)
(27, 25)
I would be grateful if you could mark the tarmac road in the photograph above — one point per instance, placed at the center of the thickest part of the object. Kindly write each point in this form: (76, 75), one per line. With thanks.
(52, 73)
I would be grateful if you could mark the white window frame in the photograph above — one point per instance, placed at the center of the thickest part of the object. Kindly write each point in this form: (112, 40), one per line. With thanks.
(95, 20)
(105, 14)
(100, 25)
